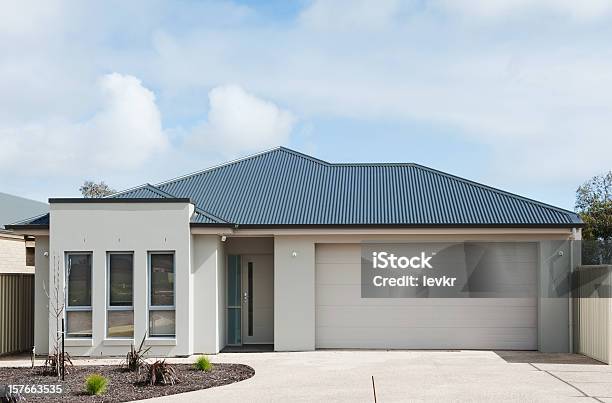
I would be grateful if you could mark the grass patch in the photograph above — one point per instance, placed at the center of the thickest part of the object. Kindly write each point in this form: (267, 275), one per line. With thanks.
(95, 384)
(203, 364)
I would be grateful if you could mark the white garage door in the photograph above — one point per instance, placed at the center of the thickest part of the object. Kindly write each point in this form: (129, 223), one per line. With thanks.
(345, 320)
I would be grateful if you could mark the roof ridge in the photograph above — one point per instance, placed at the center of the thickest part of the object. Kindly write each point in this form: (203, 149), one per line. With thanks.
(494, 189)
(165, 194)
(148, 186)
(144, 185)
(157, 190)
(211, 216)
(197, 209)
(224, 164)
(241, 159)
(302, 155)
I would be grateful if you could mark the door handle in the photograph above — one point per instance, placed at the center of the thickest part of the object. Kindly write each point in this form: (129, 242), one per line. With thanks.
(245, 298)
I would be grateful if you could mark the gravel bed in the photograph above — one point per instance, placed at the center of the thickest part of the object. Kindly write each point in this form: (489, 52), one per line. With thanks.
(123, 386)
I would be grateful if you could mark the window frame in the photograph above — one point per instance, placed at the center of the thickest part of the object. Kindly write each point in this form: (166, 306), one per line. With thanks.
(110, 307)
(150, 306)
(30, 256)
(82, 308)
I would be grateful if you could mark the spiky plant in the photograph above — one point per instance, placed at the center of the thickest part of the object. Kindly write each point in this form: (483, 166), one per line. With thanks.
(53, 363)
(159, 373)
(135, 358)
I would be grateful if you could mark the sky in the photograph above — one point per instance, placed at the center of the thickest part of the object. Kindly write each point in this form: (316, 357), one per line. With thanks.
(515, 94)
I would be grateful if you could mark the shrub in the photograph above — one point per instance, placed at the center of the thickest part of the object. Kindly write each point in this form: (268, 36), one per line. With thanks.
(135, 358)
(159, 373)
(54, 362)
(11, 397)
(95, 384)
(203, 364)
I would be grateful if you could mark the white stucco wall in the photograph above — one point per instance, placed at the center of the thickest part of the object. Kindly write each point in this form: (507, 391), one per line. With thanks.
(41, 301)
(294, 293)
(208, 294)
(131, 227)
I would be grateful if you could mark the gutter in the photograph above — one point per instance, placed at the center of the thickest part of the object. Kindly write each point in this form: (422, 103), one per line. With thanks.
(94, 200)
(23, 227)
(355, 226)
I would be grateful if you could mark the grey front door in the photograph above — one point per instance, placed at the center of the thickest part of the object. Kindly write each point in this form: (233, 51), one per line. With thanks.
(257, 299)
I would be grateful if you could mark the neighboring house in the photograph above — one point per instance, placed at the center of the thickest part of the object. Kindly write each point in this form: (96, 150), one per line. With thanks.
(17, 251)
(266, 250)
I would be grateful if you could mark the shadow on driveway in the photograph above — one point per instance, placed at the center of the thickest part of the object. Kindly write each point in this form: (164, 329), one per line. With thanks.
(536, 357)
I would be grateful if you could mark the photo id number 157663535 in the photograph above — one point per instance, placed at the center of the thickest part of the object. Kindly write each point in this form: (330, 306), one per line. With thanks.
(35, 389)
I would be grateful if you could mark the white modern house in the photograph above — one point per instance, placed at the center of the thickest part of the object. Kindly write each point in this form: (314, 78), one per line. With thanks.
(268, 250)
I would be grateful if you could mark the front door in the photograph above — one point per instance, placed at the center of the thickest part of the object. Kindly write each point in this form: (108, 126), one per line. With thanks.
(257, 299)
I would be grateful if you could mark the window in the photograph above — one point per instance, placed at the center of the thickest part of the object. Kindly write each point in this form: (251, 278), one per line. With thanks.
(120, 313)
(30, 256)
(161, 294)
(78, 294)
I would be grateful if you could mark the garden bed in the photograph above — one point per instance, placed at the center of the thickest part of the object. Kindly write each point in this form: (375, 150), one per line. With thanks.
(123, 386)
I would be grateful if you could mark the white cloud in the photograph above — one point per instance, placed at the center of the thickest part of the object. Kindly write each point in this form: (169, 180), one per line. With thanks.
(577, 10)
(241, 122)
(533, 92)
(27, 16)
(349, 14)
(123, 133)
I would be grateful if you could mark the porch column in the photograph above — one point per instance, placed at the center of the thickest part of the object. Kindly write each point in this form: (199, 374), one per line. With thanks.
(294, 294)
(41, 301)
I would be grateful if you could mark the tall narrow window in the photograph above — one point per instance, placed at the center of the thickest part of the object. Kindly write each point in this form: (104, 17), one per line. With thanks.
(78, 295)
(120, 314)
(30, 256)
(161, 294)
(234, 301)
(250, 297)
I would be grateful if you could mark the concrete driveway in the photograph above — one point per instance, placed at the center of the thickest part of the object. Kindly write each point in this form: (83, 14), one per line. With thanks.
(346, 376)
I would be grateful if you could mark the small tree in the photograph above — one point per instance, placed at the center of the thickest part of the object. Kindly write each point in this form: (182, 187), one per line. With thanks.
(90, 189)
(57, 359)
(594, 204)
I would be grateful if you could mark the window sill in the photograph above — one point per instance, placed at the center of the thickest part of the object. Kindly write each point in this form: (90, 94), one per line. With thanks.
(78, 342)
(160, 341)
(118, 342)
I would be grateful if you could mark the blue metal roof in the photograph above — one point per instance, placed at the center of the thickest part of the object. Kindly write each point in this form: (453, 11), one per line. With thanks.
(13, 208)
(285, 187)
(38, 221)
(146, 191)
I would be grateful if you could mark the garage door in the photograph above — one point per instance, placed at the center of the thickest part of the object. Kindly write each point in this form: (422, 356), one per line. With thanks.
(345, 320)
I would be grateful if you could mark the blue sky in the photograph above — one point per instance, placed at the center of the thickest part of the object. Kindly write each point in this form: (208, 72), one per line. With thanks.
(511, 93)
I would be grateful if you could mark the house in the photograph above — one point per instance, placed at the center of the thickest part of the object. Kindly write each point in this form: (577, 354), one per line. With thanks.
(17, 251)
(269, 249)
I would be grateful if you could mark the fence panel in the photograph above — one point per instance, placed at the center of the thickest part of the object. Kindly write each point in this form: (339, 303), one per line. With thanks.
(592, 311)
(16, 313)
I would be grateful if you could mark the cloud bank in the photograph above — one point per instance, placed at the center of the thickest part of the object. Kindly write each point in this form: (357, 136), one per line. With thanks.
(527, 82)
(241, 122)
(124, 132)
